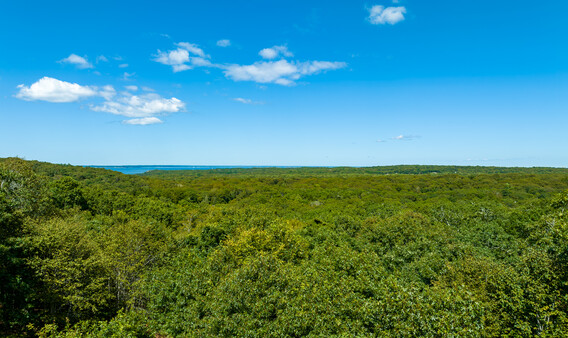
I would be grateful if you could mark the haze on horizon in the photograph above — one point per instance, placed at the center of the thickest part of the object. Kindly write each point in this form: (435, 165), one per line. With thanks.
(285, 83)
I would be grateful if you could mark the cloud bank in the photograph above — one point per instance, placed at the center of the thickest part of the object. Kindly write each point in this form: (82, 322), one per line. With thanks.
(142, 108)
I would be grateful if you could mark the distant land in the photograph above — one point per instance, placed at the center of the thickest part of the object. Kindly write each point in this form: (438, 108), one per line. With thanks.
(325, 170)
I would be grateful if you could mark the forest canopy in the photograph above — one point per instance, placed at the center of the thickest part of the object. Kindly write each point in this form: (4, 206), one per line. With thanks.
(384, 251)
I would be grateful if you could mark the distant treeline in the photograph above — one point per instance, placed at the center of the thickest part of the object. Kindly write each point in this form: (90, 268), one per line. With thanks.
(269, 252)
(382, 170)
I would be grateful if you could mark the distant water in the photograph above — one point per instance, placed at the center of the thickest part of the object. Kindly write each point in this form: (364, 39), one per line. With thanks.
(139, 169)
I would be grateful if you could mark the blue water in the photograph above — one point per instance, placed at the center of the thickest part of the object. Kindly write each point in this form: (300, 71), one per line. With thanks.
(139, 169)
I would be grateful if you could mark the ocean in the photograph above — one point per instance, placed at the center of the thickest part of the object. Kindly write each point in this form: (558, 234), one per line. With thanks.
(140, 169)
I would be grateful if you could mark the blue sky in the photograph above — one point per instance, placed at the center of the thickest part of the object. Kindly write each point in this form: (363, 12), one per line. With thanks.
(355, 83)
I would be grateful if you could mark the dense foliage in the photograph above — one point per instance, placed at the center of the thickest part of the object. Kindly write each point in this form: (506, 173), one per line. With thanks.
(384, 251)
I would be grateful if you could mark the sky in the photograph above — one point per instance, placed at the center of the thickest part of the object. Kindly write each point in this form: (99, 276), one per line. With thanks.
(285, 83)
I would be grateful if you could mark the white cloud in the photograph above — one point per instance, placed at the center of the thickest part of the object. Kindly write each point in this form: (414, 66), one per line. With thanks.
(53, 90)
(79, 61)
(274, 52)
(175, 58)
(123, 65)
(102, 58)
(381, 15)
(142, 108)
(147, 89)
(144, 121)
(268, 53)
(263, 72)
(145, 105)
(186, 56)
(224, 43)
(280, 72)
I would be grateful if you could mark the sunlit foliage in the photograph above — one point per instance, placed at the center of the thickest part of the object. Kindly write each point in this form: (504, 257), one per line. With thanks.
(385, 251)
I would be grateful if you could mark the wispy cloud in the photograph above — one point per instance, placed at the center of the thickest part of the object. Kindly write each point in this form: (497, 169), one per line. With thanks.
(117, 58)
(186, 56)
(405, 137)
(246, 101)
(400, 137)
(379, 15)
(53, 90)
(280, 72)
(107, 92)
(143, 121)
(127, 76)
(224, 43)
(79, 61)
(102, 58)
(192, 48)
(274, 52)
(131, 88)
